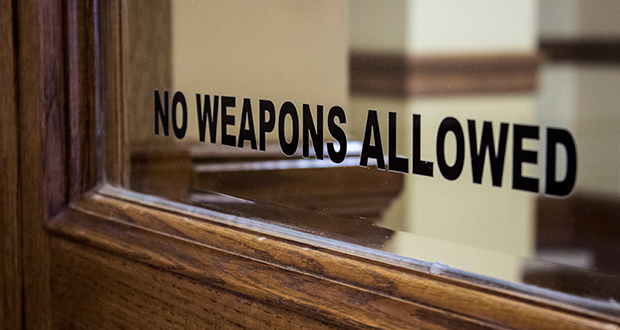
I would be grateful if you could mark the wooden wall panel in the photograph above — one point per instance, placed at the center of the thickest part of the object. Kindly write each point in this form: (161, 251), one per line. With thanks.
(113, 83)
(115, 262)
(313, 280)
(10, 234)
(98, 290)
(218, 289)
(40, 94)
(81, 130)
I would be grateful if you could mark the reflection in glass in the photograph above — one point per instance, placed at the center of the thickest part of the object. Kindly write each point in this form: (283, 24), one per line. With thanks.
(276, 74)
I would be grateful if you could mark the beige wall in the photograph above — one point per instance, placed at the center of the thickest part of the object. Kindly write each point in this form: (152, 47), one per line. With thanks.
(460, 212)
(584, 97)
(379, 26)
(471, 27)
(579, 18)
(431, 27)
(281, 50)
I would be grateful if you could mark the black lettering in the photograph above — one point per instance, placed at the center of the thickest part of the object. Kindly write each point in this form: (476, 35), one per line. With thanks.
(288, 148)
(229, 140)
(249, 133)
(418, 166)
(373, 151)
(521, 156)
(161, 113)
(487, 142)
(179, 132)
(211, 117)
(560, 188)
(311, 131)
(450, 124)
(337, 133)
(266, 107)
(395, 163)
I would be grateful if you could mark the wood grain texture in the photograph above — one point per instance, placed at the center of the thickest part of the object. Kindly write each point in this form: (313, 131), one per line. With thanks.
(40, 90)
(10, 233)
(308, 296)
(113, 81)
(81, 115)
(399, 75)
(98, 290)
(114, 262)
(55, 133)
(332, 286)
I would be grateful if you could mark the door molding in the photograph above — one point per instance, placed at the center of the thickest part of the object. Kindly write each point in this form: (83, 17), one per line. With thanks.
(141, 251)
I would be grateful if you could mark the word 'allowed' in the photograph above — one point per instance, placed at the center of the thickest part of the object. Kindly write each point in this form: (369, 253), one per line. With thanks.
(497, 153)
(288, 120)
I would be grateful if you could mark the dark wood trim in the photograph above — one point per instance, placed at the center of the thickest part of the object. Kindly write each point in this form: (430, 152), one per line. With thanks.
(119, 260)
(81, 119)
(190, 304)
(113, 82)
(314, 280)
(10, 230)
(601, 51)
(399, 75)
(40, 98)
(56, 136)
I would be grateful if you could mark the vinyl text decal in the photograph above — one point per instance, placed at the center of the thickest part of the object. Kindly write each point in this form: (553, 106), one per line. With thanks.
(212, 112)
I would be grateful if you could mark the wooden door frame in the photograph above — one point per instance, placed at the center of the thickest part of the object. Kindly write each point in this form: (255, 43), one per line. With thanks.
(10, 232)
(311, 278)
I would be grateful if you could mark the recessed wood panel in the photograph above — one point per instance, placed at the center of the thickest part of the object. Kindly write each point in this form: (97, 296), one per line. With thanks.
(317, 282)
(10, 233)
(98, 290)
(95, 258)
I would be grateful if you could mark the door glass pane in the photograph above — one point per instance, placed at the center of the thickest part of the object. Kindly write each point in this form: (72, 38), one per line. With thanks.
(473, 139)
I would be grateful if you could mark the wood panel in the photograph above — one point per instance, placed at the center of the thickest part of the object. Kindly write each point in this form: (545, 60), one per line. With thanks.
(40, 95)
(113, 84)
(314, 281)
(400, 75)
(10, 234)
(81, 129)
(56, 136)
(117, 259)
(97, 290)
